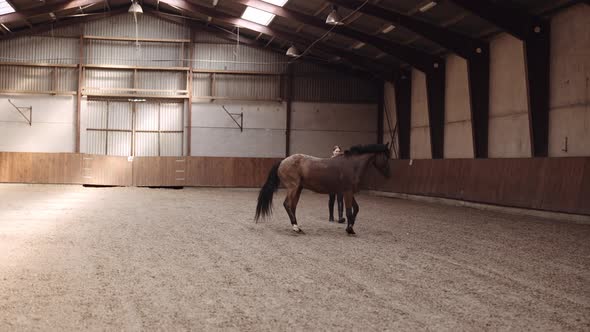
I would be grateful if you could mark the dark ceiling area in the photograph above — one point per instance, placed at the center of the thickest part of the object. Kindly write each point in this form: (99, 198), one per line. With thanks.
(377, 35)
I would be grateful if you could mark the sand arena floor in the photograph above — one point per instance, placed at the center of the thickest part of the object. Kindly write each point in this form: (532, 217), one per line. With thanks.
(74, 258)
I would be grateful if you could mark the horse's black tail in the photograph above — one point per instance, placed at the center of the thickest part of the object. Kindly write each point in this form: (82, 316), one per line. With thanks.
(264, 206)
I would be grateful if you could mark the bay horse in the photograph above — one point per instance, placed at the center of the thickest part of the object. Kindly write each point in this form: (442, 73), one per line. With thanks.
(341, 174)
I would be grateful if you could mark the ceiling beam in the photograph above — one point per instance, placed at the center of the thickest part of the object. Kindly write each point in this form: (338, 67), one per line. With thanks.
(519, 24)
(535, 33)
(22, 15)
(218, 16)
(462, 45)
(420, 60)
(65, 22)
(475, 51)
(432, 66)
(229, 36)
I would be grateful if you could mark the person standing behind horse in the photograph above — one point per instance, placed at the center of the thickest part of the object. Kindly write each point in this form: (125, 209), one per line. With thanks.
(336, 151)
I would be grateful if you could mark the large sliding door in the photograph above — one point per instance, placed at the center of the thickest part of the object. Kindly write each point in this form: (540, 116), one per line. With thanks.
(123, 128)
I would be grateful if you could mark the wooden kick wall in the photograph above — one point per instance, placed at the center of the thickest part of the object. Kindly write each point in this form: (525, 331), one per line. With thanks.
(552, 184)
(73, 168)
(25, 167)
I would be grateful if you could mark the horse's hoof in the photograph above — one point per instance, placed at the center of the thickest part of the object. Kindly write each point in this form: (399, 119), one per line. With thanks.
(350, 231)
(342, 221)
(331, 220)
(296, 229)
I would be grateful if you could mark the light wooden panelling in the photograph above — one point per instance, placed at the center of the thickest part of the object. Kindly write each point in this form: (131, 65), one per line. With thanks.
(16, 167)
(27, 167)
(228, 171)
(106, 170)
(159, 171)
(57, 168)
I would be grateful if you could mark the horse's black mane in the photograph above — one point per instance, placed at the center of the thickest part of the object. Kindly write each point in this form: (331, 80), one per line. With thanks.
(370, 148)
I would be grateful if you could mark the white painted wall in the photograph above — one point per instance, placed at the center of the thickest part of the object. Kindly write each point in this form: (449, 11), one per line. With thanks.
(509, 135)
(213, 132)
(420, 128)
(53, 128)
(570, 83)
(458, 134)
(317, 127)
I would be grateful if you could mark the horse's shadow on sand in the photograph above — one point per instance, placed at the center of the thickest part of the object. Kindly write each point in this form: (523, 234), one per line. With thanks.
(315, 228)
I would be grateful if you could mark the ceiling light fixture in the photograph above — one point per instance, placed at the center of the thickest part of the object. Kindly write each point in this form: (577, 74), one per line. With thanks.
(388, 28)
(293, 51)
(427, 6)
(358, 45)
(334, 18)
(135, 8)
(136, 100)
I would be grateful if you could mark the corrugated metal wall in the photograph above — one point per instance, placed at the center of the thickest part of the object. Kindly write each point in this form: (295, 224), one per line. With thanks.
(98, 78)
(148, 27)
(248, 86)
(167, 80)
(202, 85)
(311, 82)
(113, 118)
(233, 57)
(102, 52)
(40, 49)
(25, 78)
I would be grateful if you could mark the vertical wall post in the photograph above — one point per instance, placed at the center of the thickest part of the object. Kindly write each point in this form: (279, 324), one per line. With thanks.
(537, 60)
(534, 31)
(380, 110)
(435, 93)
(288, 98)
(188, 126)
(403, 110)
(478, 79)
(79, 88)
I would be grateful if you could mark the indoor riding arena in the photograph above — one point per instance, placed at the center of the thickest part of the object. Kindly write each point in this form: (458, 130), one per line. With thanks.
(294, 165)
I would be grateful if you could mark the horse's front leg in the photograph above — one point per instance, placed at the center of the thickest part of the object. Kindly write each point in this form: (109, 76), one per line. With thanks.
(350, 215)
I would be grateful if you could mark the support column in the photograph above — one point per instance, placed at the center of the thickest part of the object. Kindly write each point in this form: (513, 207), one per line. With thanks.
(79, 89)
(403, 105)
(537, 53)
(288, 97)
(380, 111)
(478, 78)
(189, 107)
(435, 93)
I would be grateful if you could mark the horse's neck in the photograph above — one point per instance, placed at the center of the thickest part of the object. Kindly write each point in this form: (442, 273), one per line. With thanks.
(362, 161)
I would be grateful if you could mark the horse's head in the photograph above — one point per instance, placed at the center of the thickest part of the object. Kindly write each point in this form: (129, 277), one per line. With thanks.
(381, 162)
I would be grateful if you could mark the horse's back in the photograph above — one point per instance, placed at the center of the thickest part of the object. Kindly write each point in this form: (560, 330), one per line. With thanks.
(294, 166)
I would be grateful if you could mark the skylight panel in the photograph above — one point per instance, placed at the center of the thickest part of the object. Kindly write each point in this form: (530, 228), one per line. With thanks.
(256, 16)
(5, 8)
(279, 3)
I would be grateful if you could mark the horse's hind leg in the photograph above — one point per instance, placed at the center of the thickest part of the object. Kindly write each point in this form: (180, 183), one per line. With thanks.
(355, 208)
(348, 201)
(290, 205)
